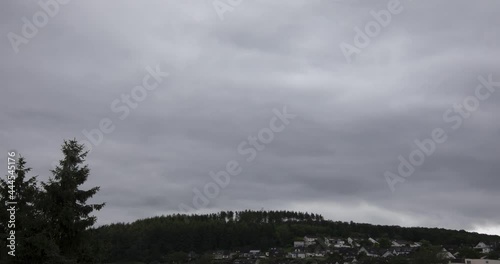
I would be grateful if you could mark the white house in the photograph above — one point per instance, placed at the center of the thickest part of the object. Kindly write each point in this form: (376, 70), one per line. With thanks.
(482, 247)
(312, 255)
(370, 252)
(352, 242)
(297, 244)
(310, 240)
(395, 243)
(415, 244)
(400, 243)
(337, 243)
(297, 253)
(446, 254)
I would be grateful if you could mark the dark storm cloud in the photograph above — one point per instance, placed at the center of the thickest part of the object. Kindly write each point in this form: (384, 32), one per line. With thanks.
(226, 77)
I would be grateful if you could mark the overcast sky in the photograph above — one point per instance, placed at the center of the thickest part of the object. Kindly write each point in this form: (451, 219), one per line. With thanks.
(233, 68)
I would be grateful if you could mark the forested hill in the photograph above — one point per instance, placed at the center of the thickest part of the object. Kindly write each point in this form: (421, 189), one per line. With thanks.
(154, 237)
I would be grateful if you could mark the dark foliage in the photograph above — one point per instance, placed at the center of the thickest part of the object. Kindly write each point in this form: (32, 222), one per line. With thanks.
(154, 238)
(51, 223)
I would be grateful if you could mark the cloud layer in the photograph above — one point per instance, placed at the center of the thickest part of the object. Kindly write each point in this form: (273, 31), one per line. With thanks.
(227, 75)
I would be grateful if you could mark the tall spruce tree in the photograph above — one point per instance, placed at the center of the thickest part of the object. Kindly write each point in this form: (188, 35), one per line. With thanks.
(15, 189)
(65, 204)
(33, 243)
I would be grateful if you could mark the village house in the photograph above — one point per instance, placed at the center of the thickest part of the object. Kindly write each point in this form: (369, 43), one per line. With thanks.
(483, 248)
(297, 244)
(373, 241)
(338, 243)
(372, 251)
(400, 243)
(256, 254)
(415, 245)
(446, 254)
(297, 253)
(353, 242)
(310, 240)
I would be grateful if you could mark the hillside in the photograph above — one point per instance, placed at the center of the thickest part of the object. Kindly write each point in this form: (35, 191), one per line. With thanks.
(151, 239)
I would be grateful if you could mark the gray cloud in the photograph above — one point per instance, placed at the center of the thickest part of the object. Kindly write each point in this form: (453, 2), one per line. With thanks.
(353, 120)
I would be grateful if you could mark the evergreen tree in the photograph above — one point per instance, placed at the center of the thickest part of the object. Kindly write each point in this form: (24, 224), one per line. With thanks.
(65, 204)
(33, 243)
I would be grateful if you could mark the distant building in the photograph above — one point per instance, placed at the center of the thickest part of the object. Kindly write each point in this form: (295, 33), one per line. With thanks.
(254, 253)
(400, 243)
(446, 254)
(338, 243)
(352, 242)
(310, 240)
(297, 244)
(415, 245)
(297, 253)
(372, 251)
(483, 248)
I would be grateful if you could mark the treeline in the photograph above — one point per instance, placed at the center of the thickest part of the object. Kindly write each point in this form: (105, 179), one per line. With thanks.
(48, 222)
(154, 238)
(250, 217)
